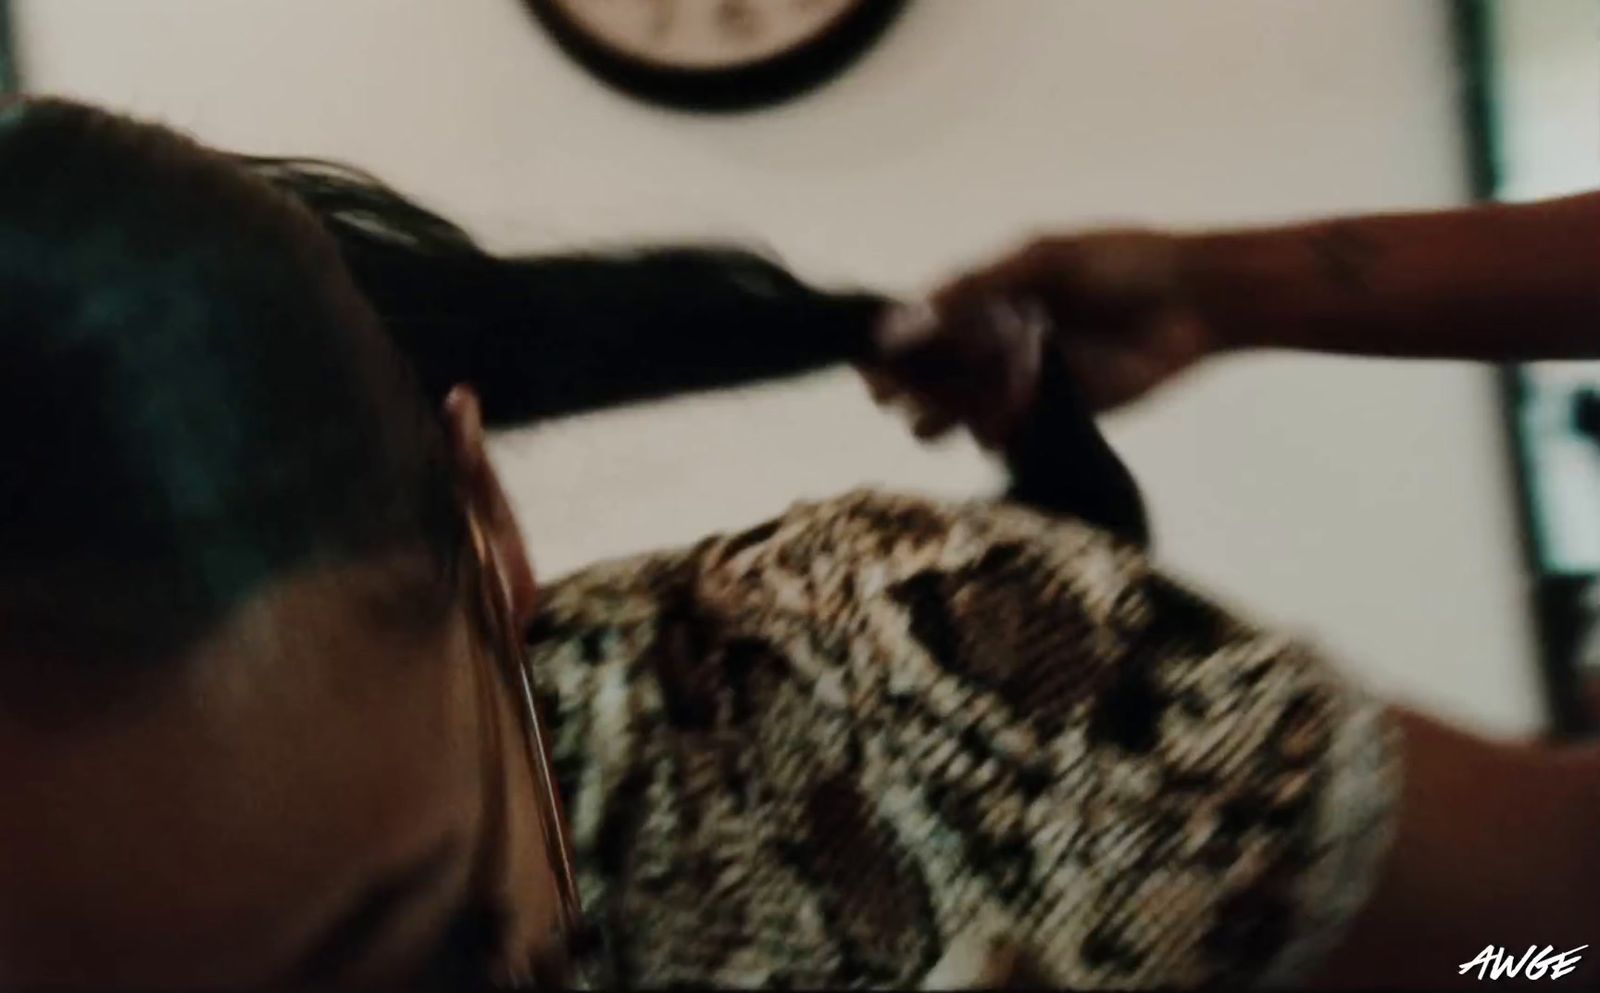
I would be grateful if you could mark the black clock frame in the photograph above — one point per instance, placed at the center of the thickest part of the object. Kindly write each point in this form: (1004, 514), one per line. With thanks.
(725, 90)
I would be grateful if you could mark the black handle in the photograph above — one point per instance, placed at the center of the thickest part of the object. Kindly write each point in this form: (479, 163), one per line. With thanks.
(1060, 463)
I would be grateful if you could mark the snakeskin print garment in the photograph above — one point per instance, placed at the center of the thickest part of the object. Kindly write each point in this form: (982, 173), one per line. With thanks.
(830, 750)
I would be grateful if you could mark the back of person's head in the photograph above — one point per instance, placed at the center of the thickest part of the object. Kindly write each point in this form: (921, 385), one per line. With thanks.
(246, 688)
(194, 397)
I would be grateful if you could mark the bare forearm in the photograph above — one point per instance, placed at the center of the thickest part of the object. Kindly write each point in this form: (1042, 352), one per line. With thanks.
(1499, 282)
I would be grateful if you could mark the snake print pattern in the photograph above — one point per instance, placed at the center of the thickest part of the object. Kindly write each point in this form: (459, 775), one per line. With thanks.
(827, 751)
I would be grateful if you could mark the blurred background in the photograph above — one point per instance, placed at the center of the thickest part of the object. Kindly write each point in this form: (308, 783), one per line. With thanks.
(1371, 507)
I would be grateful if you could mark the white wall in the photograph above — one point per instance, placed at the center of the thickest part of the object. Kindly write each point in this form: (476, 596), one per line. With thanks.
(1367, 505)
(1547, 67)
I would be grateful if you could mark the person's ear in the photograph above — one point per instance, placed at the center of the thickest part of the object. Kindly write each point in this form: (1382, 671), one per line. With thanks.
(483, 495)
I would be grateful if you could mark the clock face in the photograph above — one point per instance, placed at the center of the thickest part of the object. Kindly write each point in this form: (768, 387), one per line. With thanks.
(704, 35)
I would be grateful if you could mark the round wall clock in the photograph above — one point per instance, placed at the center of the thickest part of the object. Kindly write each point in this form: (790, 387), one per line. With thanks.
(715, 54)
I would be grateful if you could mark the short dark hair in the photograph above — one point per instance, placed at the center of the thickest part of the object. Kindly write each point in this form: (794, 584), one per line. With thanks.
(194, 395)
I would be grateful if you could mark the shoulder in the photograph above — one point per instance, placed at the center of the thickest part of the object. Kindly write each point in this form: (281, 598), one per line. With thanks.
(986, 593)
(1040, 728)
(828, 565)
(902, 533)
(919, 531)
(860, 550)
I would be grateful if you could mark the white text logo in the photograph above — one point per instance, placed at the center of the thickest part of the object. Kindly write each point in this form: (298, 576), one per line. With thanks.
(1535, 963)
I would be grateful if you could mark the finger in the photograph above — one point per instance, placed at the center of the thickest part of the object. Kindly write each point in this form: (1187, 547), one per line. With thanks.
(931, 424)
(1107, 378)
(1183, 337)
(1018, 329)
(915, 409)
(880, 386)
(990, 436)
(906, 326)
(1032, 269)
(1025, 327)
